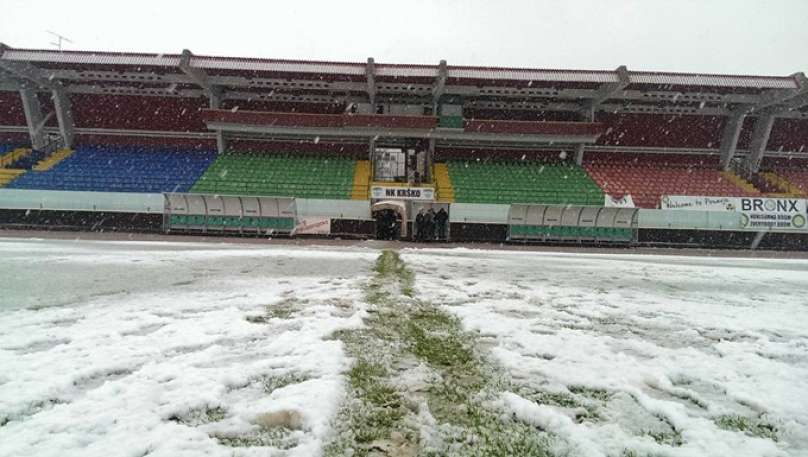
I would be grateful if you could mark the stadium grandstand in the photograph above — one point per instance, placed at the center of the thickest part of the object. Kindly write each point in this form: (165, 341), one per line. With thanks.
(221, 138)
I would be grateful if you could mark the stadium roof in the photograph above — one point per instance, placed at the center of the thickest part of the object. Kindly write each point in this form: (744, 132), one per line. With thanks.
(339, 87)
(395, 70)
(238, 78)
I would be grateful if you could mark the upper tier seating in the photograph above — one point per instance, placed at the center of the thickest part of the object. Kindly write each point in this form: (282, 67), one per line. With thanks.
(279, 175)
(121, 169)
(647, 179)
(522, 182)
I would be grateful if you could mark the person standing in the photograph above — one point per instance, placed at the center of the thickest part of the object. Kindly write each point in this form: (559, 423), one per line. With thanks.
(429, 225)
(419, 226)
(440, 221)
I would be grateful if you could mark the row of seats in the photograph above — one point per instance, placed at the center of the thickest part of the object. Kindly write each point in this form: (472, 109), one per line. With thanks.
(121, 169)
(279, 175)
(604, 233)
(143, 169)
(522, 182)
(647, 183)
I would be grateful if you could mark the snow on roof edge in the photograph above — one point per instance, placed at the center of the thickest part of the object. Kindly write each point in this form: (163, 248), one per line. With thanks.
(397, 70)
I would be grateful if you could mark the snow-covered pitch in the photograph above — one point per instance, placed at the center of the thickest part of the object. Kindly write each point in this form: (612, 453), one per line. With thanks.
(186, 349)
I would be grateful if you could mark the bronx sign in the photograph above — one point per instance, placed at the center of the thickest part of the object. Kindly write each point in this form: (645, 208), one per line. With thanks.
(757, 213)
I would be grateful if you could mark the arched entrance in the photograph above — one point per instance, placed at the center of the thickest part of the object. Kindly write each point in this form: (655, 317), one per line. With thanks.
(391, 219)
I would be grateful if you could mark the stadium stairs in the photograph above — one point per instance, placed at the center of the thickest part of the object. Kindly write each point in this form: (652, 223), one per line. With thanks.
(361, 180)
(280, 175)
(8, 175)
(790, 183)
(443, 183)
(647, 181)
(11, 155)
(117, 169)
(10, 159)
(516, 181)
(51, 161)
(739, 182)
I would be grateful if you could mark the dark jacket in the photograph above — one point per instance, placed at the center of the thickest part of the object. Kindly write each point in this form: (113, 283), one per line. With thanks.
(429, 218)
(441, 217)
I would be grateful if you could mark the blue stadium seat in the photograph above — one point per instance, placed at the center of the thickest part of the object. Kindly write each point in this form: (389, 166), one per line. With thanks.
(121, 169)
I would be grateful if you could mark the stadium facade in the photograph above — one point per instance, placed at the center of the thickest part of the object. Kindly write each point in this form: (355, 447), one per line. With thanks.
(188, 143)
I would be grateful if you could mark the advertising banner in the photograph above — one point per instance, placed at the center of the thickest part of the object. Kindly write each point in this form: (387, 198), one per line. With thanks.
(402, 193)
(623, 202)
(757, 213)
(313, 226)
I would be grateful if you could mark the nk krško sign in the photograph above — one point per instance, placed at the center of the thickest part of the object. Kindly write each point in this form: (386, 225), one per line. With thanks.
(402, 193)
(788, 214)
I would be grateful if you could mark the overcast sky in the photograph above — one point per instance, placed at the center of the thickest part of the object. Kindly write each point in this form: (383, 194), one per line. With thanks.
(716, 36)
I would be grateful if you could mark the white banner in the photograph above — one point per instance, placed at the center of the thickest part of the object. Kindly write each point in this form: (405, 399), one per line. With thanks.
(402, 193)
(758, 213)
(623, 202)
(313, 226)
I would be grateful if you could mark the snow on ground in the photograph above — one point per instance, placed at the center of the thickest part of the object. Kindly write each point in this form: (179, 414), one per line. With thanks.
(124, 348)
(656, 355)
(121, 348)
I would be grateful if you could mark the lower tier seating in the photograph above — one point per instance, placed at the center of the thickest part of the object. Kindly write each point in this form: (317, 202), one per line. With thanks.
(647, 181)
(279, 175)
(522, 182)
(120, 169)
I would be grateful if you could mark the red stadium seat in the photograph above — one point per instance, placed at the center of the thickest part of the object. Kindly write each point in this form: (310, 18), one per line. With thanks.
(647, 177)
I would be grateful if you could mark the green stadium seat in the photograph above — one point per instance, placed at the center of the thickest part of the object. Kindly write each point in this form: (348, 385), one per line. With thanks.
(523, 182)
(279, 175)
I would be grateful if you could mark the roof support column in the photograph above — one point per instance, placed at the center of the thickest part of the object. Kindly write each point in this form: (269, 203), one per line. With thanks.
(370, 73)
(760, 138)
(221, 142)
(372, 157)
(430, 160)
(439, 87)
(64, 115)
(33, 118)
(589, 116)
(215, 97)
(579, 154)
(729, 139)
(605, 92)
(200, 78)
